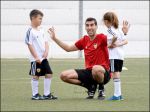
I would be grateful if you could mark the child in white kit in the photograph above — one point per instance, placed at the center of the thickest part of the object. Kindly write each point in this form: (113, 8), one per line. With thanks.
(38, 47)
(116, 42)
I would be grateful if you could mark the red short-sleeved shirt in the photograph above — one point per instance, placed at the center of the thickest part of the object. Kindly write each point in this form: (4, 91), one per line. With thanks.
(95, 51)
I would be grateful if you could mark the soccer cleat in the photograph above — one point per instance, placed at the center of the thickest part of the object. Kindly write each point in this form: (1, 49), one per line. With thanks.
(115, 98)
(50, 97)
(90, 94)
(37, 97)
(121, 98)
(91, 91)
(101, 95)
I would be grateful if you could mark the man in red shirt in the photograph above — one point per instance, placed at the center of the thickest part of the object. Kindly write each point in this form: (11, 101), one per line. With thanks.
(96, 60)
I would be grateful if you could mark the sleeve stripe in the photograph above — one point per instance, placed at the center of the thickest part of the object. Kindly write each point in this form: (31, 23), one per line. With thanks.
(27, 36)
(111, 32)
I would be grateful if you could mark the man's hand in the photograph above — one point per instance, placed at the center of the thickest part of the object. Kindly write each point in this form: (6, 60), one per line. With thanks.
(51, 31)
(63, 45)
(125, 27)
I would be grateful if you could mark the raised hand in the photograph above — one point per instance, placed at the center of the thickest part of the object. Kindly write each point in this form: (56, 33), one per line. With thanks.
(125, 27)
(51, 31)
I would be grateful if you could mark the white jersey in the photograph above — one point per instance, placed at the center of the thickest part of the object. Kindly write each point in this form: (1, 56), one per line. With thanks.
(118, 52)
(37, 39)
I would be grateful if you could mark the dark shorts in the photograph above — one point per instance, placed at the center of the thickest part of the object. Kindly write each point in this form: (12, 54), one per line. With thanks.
(85, 76)
(40, 69)
(116, 65)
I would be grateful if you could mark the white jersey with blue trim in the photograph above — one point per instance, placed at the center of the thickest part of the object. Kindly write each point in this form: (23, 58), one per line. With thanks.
(36, 38)
(118, 52)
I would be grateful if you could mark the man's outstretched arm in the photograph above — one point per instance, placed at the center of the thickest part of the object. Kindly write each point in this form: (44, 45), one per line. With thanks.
(63, 45)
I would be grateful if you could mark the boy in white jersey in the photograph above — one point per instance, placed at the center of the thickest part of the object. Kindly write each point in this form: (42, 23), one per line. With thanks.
(116, 42)
(38, 47)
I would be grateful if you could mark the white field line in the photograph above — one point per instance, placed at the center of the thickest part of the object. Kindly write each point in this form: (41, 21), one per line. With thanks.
(64, 82)
(123, 76)
(6, 64)
(29, 82)
(24, 81)
(50, 60)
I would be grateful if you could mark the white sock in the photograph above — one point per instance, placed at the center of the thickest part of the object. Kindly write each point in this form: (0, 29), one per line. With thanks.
(47, 84)
(34, 85)
(117, 87)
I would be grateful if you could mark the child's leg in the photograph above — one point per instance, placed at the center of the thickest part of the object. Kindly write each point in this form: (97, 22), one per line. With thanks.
(117, 84)
(34, 85)
(47, 84)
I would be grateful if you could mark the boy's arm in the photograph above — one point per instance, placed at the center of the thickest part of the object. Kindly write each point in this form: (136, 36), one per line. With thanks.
(46, 50)
(124, 42)
(63, 45)
(34, 54)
